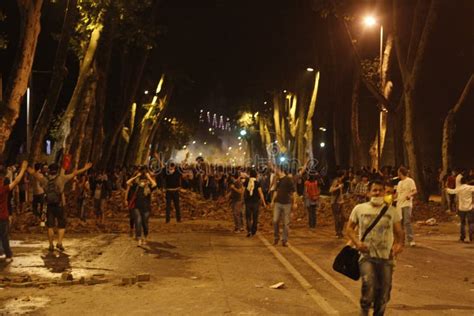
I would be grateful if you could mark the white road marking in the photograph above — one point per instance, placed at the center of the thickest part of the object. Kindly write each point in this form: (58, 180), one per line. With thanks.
(315, 295)
(325, 275)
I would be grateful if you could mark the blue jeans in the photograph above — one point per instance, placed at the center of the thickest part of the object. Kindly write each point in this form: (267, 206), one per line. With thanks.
(237, 207)
(141, 221)
(407, 227)
(4, 238)
(251, 217)
(312, 216)
(376, 275)
(469, 217)
(281, 210)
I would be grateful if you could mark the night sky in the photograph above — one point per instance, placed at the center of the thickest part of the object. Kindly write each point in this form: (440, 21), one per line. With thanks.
(233, 53)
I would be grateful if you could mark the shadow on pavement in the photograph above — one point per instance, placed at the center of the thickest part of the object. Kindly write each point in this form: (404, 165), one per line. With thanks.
(159, 249)
(431, 307)
(56, 262)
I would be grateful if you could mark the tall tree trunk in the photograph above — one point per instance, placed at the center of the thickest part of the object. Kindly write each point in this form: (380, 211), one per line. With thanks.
(386, 90)
(309, 118)
(357, 149)
(82, 114)
(30, 13)
(59, 73)
(411, 77)
(130, 91)
(449, 126)
(277, 120)
(85, 71)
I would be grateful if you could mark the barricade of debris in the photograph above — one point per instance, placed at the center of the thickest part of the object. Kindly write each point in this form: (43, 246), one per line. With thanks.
(195, 207)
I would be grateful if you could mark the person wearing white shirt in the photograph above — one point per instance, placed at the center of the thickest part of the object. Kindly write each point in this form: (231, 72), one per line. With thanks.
(406, 189)
(465, 209)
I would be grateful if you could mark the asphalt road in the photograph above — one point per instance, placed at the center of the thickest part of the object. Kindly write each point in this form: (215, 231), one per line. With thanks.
(202, 268)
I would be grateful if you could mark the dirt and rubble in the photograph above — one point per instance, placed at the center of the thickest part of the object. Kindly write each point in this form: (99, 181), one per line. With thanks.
(194, 207)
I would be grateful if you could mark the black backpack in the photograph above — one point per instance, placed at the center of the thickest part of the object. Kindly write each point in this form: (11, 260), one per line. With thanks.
(53, 196)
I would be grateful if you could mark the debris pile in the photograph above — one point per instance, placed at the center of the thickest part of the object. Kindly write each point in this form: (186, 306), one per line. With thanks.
(195, 207)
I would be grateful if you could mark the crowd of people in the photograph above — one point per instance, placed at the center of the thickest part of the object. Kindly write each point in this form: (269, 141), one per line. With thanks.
(278, 187)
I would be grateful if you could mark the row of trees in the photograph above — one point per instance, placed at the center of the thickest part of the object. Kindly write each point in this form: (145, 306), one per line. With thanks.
(395, 88)
(112, 42)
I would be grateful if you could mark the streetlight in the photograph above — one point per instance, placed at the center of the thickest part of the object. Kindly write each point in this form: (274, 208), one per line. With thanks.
(371, 21)
(243, 132)
(322, 144)
(309, 69)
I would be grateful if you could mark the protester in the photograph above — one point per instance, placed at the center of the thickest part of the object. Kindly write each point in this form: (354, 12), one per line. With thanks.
(283, 200)
(237, 202)
(406, 190)
(252, 196)
(56, 201)
(5, 215)
(465, 210)
(337, 204)
(142, 185)
(101, 190)
(311, 197)
(380, 247)
(38, 195)
(172, 182)
(361, 189)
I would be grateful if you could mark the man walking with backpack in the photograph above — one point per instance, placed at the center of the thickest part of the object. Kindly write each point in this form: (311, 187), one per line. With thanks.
(311, 197)
(55, 200)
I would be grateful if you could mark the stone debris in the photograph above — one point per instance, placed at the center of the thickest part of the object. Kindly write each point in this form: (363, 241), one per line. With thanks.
(279, 285)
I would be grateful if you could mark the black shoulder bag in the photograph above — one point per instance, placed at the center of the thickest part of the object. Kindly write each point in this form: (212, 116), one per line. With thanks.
(347, 261)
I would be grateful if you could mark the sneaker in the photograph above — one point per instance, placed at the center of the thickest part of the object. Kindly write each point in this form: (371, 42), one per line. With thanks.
(412, 244)
(60, 247)
(275, 242)
(284, 243)
(8, 259)
(51, 247)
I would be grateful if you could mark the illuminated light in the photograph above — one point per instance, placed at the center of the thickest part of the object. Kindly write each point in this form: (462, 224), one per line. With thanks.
(240, 144)
(310, 69)
(370, 20)
(284, 91)
(239, 138)
(256, 114)
(253, 166)
(323, 129)
(240, 148)
(205, 143)
(243, 132)
(202, 111)
(276, 142)
(282, 159)
(227, 154)
(146, 92)
(200, 154)
(322, 145)
(184, 147)
(48, 147)
(210, 129)
(265, 102)
(230, 148)
(194, 142)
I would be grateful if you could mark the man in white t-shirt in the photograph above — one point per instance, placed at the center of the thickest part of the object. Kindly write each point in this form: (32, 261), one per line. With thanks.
(465, 210)
(406, 189)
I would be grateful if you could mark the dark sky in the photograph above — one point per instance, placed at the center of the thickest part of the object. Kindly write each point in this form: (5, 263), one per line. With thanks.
(237, 49)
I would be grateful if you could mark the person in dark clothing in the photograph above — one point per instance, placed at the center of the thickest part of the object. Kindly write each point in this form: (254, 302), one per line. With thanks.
(141, 185)
(172, 181)
(252, 197)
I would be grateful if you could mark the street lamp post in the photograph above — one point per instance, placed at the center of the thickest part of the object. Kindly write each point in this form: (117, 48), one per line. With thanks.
(371, 21)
